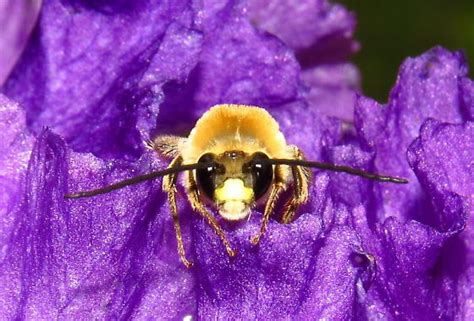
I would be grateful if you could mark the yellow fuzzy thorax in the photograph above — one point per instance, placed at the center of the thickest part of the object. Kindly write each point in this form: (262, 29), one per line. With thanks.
(234, 127)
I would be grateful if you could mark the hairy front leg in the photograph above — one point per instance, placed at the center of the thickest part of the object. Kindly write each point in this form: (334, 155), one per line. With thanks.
(169, 186)
(197, 205)
(277, 187)
(301, 177)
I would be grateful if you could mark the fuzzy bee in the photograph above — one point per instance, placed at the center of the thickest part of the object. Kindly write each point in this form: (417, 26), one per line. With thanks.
(235, 157)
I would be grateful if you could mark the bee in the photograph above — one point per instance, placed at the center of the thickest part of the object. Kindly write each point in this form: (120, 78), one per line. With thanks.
(235, 157)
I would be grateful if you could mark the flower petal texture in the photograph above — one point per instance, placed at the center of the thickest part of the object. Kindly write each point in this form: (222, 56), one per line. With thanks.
(105, 75)
(14, 154)
(64, 63)
(322, 46)
(428, 86)
(65, 258)
(17, 20)
(441, 158)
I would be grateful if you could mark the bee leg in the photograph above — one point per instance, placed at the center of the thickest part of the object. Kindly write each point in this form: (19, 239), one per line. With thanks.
(166, 145)
(169, 186)
(277, 187)
(276, 190)
(197, 205)
(301, 177)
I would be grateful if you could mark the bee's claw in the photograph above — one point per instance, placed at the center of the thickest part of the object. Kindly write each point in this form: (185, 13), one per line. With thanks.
(231, 252)
(255, 240)
(187, 264)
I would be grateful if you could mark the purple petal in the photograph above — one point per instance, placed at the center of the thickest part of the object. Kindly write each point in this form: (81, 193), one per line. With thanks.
(423, 270)
(442, 160)
(296, 271)
(354, 252)
(316, 26)
(321, 35)
(332, 89)
(99, 108)
(428, 86)
(15, 151)
(68, 259)
(467, 98)
(306, 127)
(405, 257)
(238, 64)
(17, 20)
(90, 68)
(411, 282)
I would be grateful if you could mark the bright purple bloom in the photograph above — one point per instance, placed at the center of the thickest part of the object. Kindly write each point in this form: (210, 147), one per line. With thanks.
(321, 36)
(17, 20)
(104, 76)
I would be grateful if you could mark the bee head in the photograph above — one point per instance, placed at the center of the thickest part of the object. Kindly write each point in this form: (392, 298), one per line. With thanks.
(234, 181)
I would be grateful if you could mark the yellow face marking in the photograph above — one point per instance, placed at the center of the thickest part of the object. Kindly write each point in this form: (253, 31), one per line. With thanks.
(234, 189)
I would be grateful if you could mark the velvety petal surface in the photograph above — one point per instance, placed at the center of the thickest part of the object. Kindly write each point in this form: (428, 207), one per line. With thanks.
(316, 26)
(93, 71)
(467, 98)
(106, 257)
(111, 98)
(238, 64)
(442, 160)
(430, 85)
(15, 151)
(106, 75)
(321, 35)
(17, 20)
(418, 248)
(297, 271)
(332, 89)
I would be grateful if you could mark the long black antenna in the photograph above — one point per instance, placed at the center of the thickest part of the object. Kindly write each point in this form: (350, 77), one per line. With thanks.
(138, 179)
(334, 168)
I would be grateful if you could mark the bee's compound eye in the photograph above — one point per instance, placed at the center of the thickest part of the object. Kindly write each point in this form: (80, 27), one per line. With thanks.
(262, 174)
(205, 176)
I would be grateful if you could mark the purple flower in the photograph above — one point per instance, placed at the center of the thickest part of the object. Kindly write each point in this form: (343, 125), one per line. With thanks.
(17, 20)
(104, 76)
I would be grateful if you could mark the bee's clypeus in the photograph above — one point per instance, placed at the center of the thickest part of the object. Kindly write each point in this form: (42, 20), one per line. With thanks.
(235, 156)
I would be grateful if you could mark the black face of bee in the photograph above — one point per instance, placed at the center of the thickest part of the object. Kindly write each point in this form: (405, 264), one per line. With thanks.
(262, 174)
(205, 177)
(234, 164)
